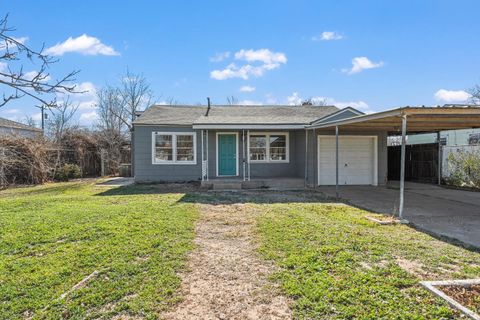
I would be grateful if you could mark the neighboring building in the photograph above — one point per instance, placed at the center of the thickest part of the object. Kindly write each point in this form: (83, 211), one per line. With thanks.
(9, 127)
(463, 137)
(191, 143)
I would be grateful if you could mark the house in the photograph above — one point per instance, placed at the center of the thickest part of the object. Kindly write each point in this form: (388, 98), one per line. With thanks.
(262, 146)
(9, 127)
(259, 144)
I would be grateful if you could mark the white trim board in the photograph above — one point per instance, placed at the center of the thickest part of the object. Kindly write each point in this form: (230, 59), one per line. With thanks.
(375, 153)
(250, 126)
(216, 152)
(355, 111)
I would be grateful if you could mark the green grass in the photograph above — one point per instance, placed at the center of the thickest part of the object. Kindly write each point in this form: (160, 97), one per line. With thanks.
(337, 265)
(53, 236)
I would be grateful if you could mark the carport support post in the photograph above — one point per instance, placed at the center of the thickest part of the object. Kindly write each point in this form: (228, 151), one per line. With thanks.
(336, 163)
(402, 168)
(439, 159)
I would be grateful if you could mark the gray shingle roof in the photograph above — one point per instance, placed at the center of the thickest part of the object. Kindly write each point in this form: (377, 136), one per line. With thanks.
(177, 115)
(16, 125)
(189, 115)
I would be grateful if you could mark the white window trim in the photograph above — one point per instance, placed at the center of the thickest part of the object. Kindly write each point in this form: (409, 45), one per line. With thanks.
(174, 148)
(236, 157)
(268, 134)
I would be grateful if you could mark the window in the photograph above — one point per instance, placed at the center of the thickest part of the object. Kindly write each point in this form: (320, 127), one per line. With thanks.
(174, 148)
(258, 147)
(268, 147)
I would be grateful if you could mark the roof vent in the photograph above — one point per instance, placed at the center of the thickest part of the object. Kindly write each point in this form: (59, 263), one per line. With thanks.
(208, 107)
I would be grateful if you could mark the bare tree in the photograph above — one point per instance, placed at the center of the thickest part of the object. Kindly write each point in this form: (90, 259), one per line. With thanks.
(111, 110)
(136, 96)
(319, 102)
(28, 120)
(17, 83)
(231, 101)
(61, 119)
(112, 127)
(475, 94)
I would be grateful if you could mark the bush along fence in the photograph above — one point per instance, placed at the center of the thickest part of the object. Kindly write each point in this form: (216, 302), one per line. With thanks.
(461, 166)
(36, 161)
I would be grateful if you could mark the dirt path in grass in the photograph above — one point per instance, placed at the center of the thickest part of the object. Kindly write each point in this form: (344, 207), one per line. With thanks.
(226, 279)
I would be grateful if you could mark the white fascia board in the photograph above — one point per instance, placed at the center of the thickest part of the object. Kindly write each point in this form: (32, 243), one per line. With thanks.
(249, 126)
(367, 117)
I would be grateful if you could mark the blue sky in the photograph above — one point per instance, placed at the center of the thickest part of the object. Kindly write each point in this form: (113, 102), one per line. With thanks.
(373, 55)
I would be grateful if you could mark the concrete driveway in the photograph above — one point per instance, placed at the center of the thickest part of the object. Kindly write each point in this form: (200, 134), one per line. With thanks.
(440, 211)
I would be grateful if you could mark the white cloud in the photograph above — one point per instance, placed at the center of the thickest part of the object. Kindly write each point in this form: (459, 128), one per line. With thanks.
(294, 99)
(452, 95)
(263, 55)
(249, 103)
(362, 63)
(220, 56)
(32, 74)
(87, 118)
(11, 111)
(247, 89)
(83, 44)
(268, 61)
(86, 98)
(327, 36)
(37, 116)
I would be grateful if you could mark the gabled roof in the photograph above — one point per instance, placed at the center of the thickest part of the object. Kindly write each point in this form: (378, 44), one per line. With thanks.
(419, 119)
(5, 123)
(341, 114)
(170, 115)
(234, 115)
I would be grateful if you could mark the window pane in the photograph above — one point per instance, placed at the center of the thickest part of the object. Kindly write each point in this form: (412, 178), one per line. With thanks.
(163, 148)
(278, 147)
(185, 151)
(163, 141)
(258, 147)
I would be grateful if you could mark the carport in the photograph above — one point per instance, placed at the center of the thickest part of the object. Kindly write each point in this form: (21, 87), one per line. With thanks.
(403, 121)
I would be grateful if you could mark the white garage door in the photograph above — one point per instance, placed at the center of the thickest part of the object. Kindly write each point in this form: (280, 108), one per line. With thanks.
(357, 163)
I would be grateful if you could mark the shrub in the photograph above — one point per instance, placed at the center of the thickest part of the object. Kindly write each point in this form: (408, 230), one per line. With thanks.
(464, 169)
(68, 171)
(24, 160)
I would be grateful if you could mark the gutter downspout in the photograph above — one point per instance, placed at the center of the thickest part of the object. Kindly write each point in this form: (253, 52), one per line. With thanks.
(203, 162)
(207, 156)
(248, 153)
(337, 193)
(243, 155)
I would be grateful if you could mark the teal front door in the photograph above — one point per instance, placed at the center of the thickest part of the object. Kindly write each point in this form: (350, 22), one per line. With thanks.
(227, 155)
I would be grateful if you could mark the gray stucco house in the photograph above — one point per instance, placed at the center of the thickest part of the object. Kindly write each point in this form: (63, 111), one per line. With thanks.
(256, 145)
(10, 127)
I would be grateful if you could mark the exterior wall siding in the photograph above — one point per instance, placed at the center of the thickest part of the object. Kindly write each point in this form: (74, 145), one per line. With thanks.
(259, 170)
(145, 171)
(5, 131)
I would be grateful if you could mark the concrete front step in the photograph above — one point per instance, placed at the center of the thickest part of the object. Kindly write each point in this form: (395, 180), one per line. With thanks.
(276, 184)
(226, 185)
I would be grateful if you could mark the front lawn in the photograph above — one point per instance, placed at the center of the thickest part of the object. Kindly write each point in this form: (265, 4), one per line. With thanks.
(53, 236)
(336, 264)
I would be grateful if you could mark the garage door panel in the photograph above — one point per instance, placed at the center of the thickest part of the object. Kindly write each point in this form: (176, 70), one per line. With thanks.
(356, 160)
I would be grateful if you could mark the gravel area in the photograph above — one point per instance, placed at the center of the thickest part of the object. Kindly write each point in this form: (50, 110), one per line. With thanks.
(226, 277)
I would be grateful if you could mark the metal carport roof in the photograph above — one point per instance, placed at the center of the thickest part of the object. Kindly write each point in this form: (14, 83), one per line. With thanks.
(419, 119)
(402, 121)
